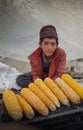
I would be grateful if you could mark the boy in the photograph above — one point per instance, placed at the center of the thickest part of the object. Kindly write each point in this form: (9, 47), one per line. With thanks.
(46, 61)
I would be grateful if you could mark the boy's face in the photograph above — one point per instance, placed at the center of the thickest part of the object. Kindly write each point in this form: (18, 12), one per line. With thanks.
(48, 46)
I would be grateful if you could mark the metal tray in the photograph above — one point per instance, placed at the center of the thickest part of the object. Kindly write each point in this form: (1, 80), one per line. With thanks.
(69, 118)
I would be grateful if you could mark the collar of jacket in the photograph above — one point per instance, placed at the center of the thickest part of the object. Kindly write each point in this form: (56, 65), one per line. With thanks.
(36, 54)
(35, 58)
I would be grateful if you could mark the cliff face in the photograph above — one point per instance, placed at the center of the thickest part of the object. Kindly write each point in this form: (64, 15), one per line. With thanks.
(21, 20)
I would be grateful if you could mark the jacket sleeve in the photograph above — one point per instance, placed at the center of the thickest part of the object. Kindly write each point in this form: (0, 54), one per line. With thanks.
(34, 72)
(61, 66)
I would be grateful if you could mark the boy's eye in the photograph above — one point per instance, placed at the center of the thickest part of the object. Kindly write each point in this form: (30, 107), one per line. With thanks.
(45, 43)
(53, 43)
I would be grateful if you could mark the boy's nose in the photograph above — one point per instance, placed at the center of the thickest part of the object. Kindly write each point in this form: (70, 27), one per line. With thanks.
(49, 46)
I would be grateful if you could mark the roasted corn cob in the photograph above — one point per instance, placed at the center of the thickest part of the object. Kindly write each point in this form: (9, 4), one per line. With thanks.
(27, 109)
(40, 83)
(69, 92)
(34, 101)
(12, 105)
(78, 88)
(33, 87)
(57, 91)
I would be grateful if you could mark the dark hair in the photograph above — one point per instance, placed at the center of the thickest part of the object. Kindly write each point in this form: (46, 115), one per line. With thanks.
(41, 40)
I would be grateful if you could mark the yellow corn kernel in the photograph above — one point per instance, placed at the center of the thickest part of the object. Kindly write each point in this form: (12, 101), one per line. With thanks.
(69, 92)
(34, 88)
(57, 91)
(34, 101)
(40, 83)
(78, 88)
(27, 109)
(12, 105)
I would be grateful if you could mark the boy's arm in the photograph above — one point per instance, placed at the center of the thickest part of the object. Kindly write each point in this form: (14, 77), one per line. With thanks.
(61, 66)
(34, 72)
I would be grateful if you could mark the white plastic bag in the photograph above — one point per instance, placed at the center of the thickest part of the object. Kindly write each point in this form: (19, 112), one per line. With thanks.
(4, 82)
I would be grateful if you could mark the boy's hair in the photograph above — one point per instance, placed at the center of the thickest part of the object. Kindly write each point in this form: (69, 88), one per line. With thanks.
(41, 40)
(48, 31)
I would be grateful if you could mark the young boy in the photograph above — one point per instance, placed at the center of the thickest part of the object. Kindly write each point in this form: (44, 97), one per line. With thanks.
(46, 61)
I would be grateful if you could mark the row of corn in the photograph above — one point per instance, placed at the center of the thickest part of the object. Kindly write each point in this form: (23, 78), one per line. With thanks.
(42, 96)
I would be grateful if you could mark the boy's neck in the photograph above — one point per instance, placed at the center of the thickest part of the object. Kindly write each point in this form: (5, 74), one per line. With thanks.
(47, 59)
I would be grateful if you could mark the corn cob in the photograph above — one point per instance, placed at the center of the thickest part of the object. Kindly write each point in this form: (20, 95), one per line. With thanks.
(12, 105)
(28, 110)
(69, 92)
(33, 87)
(73, 84)
(57, 91)
(40, 83)
(34, 101)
